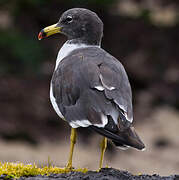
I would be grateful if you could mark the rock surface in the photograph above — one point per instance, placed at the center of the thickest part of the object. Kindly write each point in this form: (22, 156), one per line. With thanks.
(104, 174)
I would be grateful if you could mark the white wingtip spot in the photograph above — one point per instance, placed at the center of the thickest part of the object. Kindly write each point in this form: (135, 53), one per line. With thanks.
(100, 88)
(111, 88)
(80, 123)
(104, 120)
(123, 147)
(125, 113)
(105, 85)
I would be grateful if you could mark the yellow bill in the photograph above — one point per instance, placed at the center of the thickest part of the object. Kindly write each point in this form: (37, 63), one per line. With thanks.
(48, 31)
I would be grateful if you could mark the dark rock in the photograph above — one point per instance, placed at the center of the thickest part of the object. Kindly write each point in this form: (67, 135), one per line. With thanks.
(103, 174)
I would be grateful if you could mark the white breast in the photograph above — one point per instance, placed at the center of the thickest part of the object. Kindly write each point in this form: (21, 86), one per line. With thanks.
(66, 49)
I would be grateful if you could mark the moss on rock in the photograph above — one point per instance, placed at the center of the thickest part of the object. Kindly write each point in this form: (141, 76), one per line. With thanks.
(16, 170)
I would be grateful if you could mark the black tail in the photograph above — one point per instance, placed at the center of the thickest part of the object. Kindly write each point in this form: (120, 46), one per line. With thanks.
(124, 139)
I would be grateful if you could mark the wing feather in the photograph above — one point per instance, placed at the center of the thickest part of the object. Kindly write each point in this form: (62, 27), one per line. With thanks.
(89, 85)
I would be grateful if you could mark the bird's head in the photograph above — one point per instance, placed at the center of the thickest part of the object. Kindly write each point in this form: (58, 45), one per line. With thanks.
(79, 25)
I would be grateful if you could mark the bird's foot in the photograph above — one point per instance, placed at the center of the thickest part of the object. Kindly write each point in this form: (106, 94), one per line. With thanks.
(102, 167)
(69, 167)
(99, 169)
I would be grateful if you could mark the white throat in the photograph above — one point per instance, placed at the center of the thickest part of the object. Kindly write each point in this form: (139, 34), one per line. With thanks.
(67, 48)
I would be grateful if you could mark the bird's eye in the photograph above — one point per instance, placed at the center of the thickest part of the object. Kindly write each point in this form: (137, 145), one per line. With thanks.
(69, 19)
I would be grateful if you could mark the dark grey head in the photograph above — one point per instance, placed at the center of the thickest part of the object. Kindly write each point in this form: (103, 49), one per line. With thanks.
(79, 25)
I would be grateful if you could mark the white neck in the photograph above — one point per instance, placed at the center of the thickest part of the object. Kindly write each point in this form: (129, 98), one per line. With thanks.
(67, 48)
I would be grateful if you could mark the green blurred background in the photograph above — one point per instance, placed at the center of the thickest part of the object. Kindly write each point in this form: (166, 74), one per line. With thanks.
(142, 34)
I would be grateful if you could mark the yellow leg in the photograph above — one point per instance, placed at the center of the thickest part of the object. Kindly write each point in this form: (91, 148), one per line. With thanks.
(103, 148)
(73, 141)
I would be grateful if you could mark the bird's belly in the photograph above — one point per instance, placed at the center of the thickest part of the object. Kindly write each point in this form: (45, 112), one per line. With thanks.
(54, 104)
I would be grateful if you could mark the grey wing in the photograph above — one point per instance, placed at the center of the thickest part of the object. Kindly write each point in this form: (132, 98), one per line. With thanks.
(90, 92)
(72, 85)
(117, 87)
